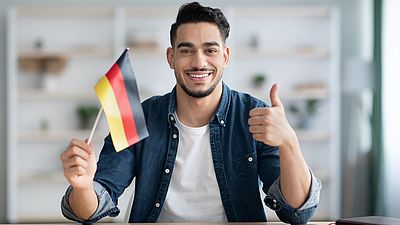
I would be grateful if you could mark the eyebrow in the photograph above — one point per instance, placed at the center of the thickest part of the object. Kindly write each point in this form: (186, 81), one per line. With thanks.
(209, 44)
(190, 45)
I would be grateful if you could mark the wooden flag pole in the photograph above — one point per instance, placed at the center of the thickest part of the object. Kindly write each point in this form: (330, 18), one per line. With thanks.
(94, 126)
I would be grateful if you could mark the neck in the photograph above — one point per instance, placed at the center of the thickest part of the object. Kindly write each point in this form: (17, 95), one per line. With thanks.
(197, 112)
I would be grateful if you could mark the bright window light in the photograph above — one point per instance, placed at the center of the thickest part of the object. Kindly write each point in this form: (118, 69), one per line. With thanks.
(391, 102)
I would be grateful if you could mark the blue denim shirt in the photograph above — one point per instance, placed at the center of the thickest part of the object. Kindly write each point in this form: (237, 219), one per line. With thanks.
(240, 163)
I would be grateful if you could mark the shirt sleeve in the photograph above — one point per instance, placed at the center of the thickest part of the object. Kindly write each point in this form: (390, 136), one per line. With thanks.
(274, 199)
(106, 206)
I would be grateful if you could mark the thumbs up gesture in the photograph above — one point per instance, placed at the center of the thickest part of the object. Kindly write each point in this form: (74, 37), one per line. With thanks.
(269, 124)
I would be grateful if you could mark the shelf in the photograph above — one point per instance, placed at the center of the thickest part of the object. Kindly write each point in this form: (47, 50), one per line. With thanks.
(282, 12)
(313, 135)
(304, 95)
(139, 53)
(318, 94)
(154, 11)
(41, 12)
(45, 177)
(279, 54)
(43, 136)
(80, 52)
(42, 95)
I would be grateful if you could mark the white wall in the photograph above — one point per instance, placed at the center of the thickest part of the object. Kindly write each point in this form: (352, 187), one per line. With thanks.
(2, 114)
(351, 45)
(390, 105)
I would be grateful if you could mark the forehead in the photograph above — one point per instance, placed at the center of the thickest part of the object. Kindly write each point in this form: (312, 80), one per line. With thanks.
(198, 33)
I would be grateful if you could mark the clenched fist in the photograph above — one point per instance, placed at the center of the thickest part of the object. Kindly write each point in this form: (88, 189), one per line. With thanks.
(79, 164)
(269, 124)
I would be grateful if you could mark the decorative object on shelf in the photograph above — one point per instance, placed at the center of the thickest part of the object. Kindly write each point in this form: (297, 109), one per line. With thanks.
(304, 111)
(38, 44)
(259, 79)
(143, 39)
(87, 115)
(41, 62)
(254, 42)
(44, 124)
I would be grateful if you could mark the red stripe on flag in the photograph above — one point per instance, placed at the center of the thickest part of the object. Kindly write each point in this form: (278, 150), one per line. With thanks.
(116, 80)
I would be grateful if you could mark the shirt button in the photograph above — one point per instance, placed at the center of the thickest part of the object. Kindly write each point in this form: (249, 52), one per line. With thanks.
(157, 205)
(250, 159)
(274, 206)
(274, 200)
(166, 170)
(174, 136)
(222, 121)
(172, 118)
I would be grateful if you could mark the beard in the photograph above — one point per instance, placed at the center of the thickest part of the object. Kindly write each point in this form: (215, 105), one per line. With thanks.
(198, 94)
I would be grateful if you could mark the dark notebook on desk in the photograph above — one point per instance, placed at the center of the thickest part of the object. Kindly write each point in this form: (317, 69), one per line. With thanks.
(376, 220)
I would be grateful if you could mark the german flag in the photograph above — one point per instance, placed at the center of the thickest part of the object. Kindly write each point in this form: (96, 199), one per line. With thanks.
(119, 97)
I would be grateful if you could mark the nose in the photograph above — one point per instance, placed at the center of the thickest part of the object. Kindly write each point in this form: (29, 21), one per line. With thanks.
(199, 60)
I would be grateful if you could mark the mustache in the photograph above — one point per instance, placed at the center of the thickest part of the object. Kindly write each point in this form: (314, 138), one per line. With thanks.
(199, 70)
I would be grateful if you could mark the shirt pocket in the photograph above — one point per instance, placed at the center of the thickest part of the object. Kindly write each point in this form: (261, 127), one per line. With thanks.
(248, 174)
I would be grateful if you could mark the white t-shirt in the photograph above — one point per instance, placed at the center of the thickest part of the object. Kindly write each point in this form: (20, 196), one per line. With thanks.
(193, 194)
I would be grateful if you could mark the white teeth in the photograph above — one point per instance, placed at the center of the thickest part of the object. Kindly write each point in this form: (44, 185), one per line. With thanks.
(199, 76)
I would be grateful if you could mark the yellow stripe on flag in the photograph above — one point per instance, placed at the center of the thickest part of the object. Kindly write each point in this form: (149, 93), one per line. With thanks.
(106, 96)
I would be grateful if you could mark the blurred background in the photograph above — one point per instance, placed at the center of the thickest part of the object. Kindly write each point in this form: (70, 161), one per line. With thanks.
(336, 62)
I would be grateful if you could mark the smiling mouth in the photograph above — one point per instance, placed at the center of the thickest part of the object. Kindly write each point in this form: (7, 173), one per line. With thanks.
(199, 76)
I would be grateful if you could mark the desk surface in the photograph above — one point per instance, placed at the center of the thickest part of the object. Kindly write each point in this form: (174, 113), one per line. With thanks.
(246, 223)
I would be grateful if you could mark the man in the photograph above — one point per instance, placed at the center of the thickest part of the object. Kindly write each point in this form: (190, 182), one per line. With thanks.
(208, 146)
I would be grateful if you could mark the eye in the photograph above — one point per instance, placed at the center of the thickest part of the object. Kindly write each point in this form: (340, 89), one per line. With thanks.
(211, 51)
(185, 51)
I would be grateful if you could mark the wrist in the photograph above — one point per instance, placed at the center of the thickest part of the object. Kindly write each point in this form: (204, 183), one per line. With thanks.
(84, 189)
(291, 142)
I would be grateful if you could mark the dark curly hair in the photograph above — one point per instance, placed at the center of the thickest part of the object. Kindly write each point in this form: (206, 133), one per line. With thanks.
(194, 13)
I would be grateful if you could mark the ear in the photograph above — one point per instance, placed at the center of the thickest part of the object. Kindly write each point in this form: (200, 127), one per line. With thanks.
(227, 55)
(170, 57)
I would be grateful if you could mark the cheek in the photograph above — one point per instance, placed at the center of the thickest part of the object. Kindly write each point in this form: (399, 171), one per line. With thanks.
(219, 63)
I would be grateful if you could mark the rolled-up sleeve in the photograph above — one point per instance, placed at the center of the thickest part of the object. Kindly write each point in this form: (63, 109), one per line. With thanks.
(106, 207)
(274, 199)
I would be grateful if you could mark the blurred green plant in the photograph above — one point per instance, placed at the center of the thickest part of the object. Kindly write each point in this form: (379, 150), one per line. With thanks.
(304, 111)
(87, 114)
(259, 79)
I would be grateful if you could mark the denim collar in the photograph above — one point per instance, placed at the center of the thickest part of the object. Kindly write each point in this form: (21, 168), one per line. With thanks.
(220, 114)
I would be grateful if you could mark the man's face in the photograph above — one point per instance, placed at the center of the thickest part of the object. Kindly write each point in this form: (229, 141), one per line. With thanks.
(198, 58)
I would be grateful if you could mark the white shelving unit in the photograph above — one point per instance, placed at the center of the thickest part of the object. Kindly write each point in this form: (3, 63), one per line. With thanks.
(298, 48)
(294, 46)
(43, 99)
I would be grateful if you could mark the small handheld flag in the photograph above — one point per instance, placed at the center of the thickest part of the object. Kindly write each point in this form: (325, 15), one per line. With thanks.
(119, 98)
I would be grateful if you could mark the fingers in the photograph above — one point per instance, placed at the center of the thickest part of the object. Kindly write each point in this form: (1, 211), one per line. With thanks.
(74, 162)
(77, 147)
(75, 171)
(77, 154)
(260, 111)
(81, 144)
(74, 151)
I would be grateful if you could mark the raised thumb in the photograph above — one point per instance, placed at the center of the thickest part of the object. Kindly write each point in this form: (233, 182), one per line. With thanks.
(273, 94)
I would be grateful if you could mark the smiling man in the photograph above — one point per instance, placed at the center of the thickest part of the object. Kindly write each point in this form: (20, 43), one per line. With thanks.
(207, 149)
